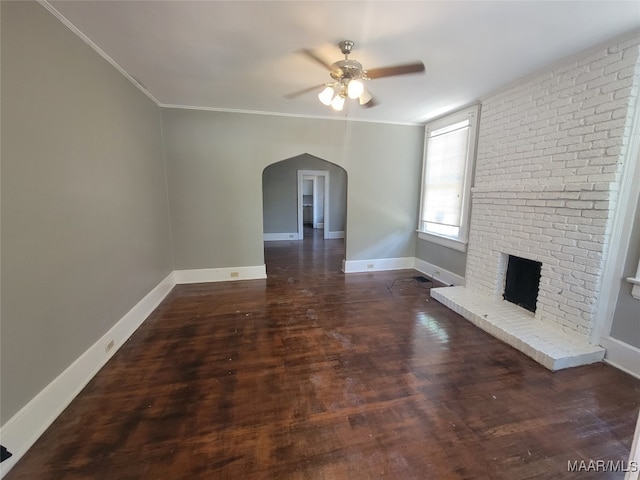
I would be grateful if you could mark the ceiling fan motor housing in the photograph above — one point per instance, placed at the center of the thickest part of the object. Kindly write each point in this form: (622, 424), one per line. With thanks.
(347, 69)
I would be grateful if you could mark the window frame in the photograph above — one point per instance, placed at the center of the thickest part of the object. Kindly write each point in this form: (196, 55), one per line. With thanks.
(460, 242)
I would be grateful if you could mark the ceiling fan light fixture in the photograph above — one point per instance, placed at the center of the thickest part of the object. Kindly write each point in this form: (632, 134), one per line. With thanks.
(365, 97)
(355, 88)
(348, 78)
(338, 103)
(326, 95)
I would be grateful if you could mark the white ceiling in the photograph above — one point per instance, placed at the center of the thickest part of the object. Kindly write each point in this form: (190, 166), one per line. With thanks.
(242, 55)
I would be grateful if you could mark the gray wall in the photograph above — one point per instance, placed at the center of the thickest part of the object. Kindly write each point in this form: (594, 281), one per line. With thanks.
(446, 258)
(215, 162)
(626, 319)
(280, 194)
(85, 227)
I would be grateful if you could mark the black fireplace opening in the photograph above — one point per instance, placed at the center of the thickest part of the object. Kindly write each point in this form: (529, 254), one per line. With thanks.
(522, 282)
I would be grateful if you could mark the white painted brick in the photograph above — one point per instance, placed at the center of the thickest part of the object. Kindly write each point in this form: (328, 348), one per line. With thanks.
(599, 135)
(627, 72)
(577, 188)
(594, 70)
(617, 84)
(587, 60)
(602, 177)
(630, 48)
(571, 108)
(606, 61)
(612, 105)
(604, 186)
(578, 235)
(609, 125)
(593, 287)
(628, 61)
(565, 241)
(629, 44)
(579, 204)
(596, 119)
(547, 164)
(623, 93)
(619, 113)
(597, 100)
(592, 154)
(612, 142)
(602, 81)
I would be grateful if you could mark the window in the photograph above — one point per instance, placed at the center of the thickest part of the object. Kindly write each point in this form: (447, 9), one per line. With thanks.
(450, 145)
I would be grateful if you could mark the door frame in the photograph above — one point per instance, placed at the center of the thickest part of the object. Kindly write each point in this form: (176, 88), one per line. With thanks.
(313, 173)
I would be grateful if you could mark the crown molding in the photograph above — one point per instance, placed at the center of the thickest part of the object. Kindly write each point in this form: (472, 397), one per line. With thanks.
(96, 48)
(280, 114)
(132, 79)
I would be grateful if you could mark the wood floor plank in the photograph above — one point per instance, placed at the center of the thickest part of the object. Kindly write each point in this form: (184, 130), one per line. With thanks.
(313, 374)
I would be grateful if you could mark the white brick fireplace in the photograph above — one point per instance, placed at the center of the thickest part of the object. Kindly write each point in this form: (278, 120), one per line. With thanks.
(550, 153)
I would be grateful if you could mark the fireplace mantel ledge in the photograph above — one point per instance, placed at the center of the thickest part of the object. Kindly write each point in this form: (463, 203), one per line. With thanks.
(551, 187)
(518, 193)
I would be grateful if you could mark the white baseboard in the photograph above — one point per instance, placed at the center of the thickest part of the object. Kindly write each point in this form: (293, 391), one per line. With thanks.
(271, 237)
(377, 264)
(276, 237)
(402, 263)
(24, 428)
(220, 274)
(621, 355)
(438, 273)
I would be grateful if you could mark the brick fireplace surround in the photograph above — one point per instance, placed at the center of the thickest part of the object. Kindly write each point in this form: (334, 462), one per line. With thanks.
(548, 168)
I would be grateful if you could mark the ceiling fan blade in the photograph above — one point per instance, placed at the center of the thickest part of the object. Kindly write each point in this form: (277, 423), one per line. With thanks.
(315, 58)
(416, 67)
(292, 95)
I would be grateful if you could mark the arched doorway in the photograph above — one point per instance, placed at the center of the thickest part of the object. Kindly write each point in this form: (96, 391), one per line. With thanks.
(304, 199)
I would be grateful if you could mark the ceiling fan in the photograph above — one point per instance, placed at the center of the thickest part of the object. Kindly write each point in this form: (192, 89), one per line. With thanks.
(348, 77)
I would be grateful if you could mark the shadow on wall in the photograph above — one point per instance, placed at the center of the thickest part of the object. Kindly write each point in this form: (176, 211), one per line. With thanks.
(280, 197)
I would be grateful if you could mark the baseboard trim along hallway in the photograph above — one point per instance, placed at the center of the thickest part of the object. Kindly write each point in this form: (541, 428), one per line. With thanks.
(25, 427)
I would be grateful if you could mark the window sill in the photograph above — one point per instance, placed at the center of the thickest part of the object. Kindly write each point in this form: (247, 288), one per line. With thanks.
(635, 291)
(444, 241)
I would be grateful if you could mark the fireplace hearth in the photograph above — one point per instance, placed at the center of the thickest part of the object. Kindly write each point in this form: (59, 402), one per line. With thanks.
(551, 154)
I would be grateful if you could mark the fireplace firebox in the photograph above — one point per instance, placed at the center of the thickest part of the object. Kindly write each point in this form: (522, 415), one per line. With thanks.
(522, 282)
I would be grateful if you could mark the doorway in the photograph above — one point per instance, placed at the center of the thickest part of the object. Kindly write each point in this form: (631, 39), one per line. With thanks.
(282, 200)
(313, 201)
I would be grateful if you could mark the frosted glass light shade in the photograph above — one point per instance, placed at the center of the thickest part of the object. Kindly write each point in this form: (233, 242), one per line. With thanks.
(365, 97)
(326, 95)
(355, 88)
(337, 103)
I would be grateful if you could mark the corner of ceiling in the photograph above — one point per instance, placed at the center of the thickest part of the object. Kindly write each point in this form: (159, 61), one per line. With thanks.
(96, 48)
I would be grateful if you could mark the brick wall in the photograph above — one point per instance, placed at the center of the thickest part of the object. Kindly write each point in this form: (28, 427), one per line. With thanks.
(550, 153)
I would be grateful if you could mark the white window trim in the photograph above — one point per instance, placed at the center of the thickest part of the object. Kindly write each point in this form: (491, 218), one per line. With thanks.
(452, 243)
(460, 243)
(635, 281)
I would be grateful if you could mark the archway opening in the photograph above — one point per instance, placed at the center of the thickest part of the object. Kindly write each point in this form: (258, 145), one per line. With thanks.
(304, 206)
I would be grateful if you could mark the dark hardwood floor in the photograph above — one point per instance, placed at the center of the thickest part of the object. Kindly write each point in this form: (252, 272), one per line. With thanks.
(313, 374)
